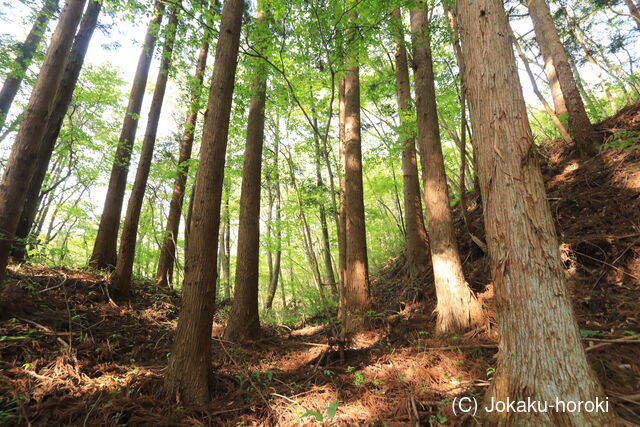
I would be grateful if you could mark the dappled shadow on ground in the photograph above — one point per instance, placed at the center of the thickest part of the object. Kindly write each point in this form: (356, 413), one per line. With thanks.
(70, 356)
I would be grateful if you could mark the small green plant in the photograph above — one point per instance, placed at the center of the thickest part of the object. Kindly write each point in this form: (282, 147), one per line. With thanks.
(330, 412)
(435, 420)
(587, 333)
(635, 334)
(625, 139)
(328, 372)
(359, 379)
(490, 373)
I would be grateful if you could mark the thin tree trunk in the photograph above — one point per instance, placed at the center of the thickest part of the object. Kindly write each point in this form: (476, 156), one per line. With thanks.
(164, 274)
(121, 278)
(457, 307)
(541, 355)
(187, 220)
(554, 53)
(329, 275)
(244, 318)
(342, 236)
(105, 246)
(21, 165)
(554, 117)
(415, 233)
(356, 296)
(24, 56)
(226, 264)
(275, 271)
(59, 109)
(597, 68)
(307, 240)
(187, 375)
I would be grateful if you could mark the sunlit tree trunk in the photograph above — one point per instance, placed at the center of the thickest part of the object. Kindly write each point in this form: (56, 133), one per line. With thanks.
(356, 287)
(187, 375)
(541, 355)
(415, 232)
(164, 274)
(244, 320)
(553, 53)
(59, 109)
(457, 307)
(21, 164)
(105, 246)
(24, 56)
(121, 278)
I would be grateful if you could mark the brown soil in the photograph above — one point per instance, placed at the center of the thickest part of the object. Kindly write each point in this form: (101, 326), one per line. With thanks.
(70, 356)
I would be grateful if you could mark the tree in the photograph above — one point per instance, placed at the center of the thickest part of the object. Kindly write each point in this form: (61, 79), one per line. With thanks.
(415, 234)
(54, 124)
(121, 278)
(541, 354)
(104, 248)
(356, 298)
(244, 321)
(21, 164)
(273, 179)
(554, 53)
(24, 56)
(188, 372)
(164, 275)
(457, 307)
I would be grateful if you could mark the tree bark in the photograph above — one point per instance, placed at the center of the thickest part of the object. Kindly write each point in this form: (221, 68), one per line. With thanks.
(555, 55)
(59, 109)
(121, 277)
(541, 355)
(24, 56)
(187, 375)
(244, 319)
(21, 164)
(356, 295)
(417, 241)
(105, 246)
(342, 215)
(457, 308)
(164, 274)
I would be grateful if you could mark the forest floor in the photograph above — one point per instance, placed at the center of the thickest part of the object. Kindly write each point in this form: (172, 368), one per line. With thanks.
(69, 356)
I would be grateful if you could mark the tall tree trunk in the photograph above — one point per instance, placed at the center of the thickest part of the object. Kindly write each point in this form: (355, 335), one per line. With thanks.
(554, 54)
(356, 288)
(307, 240)
(596, 66)
(275, 272)
(541, 355)
(342, 215)
(121, 278)
(59, 109)
(329, 275)
(415, 232)
(244, 320)
(21, 165)
(457, 307)
(105, 246)
(164, 275)
(24, 56)
(187, 375)
(554, 117)
(226, 262)
(187, 220)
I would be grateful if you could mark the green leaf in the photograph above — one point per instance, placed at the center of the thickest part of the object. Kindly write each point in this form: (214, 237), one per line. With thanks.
(316, 414)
